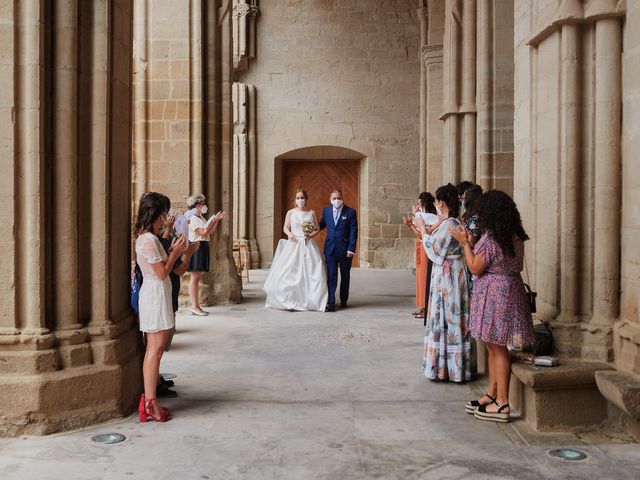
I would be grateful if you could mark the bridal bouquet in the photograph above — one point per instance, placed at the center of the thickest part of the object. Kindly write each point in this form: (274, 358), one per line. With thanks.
(308, 227)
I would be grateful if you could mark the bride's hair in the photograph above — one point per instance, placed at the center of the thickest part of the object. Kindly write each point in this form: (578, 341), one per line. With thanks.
(303, 192)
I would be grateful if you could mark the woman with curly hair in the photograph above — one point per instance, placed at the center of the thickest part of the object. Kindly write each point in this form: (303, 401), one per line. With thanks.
(500, 314)
(447, 346)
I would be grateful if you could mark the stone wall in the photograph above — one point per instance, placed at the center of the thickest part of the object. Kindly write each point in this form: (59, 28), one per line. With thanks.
(341, 73)
(183, 119)
(168, 99)
(467, 93)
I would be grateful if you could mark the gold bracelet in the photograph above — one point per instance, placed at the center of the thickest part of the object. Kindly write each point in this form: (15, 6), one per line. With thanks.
(465, 243)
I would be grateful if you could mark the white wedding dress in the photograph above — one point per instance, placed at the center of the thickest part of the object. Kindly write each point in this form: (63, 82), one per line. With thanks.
(298, 276)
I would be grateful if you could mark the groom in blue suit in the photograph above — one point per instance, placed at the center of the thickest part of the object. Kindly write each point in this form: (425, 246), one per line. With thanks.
(339, 247)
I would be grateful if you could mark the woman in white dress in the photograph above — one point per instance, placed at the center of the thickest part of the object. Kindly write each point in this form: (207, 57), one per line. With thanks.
(298, 276)
(155, 305)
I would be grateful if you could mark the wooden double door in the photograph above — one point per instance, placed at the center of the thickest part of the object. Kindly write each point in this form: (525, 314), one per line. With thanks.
(319, 178)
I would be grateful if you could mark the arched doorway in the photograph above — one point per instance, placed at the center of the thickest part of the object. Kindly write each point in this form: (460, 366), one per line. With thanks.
(317, 169)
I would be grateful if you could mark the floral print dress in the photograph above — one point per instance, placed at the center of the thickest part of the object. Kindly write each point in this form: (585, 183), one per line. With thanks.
(500, 309)
(447, 346)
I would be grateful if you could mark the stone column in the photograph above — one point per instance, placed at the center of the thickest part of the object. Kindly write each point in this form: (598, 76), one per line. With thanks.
(218, 112)
(240, 162)
(70, 334)
(468, 108)
(71, 142)
(570, 144)
(607, 201)
(451, 99)
(196, 160)
(30, 194)
(141, 125)
(424, 26)
(484, 92)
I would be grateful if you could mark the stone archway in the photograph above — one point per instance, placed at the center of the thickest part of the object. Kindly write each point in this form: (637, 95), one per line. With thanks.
(329, 167)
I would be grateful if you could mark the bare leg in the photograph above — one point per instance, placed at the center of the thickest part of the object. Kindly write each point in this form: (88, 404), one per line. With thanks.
(194, 290)
(151, 365)
(502, 374)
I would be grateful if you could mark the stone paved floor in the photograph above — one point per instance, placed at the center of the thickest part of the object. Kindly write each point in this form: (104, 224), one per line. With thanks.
(279, 395)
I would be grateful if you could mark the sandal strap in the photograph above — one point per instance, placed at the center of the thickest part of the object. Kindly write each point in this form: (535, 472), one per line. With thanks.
(502, 407)
(490, 397)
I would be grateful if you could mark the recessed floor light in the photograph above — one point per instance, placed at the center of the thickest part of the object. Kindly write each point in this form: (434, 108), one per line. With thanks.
(568, 454)
(237, 309)
(109, 438)
(168, 376)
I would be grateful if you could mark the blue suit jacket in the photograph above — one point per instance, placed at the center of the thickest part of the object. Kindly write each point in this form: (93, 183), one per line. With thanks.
(341, 238)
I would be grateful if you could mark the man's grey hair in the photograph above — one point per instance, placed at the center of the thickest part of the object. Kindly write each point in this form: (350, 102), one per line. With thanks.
(336, 190)
(196, 199)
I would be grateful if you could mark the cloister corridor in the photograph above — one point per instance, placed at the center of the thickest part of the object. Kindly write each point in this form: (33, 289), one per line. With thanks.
(276, 395)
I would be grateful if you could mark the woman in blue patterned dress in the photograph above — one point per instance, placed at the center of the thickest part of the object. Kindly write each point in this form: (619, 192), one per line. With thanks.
(446, 340)
(500, 314)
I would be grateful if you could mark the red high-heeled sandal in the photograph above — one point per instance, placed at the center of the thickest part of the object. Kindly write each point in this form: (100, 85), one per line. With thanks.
(145, 410)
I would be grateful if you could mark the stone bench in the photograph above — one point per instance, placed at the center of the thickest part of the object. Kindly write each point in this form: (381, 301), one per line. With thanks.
(623, 390)
(563, 398)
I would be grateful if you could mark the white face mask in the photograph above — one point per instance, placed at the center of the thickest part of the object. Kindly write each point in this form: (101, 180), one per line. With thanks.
(300, 202)
(438, 211)
(204, 209)
(337, 203)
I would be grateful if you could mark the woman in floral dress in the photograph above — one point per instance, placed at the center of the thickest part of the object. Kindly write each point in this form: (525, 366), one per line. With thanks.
(500, 314)
(446, 341)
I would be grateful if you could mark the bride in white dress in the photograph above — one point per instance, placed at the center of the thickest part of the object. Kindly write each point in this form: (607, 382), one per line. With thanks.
(298, 276)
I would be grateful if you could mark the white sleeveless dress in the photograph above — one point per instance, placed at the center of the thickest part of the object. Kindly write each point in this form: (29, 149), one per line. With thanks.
(156, 308)
(297, 279)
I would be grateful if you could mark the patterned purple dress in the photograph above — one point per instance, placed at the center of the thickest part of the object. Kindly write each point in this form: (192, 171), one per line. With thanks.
(500, 311)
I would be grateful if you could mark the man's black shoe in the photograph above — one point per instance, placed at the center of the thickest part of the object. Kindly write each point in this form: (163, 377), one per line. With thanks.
(165, 392)
(331, 307)
(343, 305)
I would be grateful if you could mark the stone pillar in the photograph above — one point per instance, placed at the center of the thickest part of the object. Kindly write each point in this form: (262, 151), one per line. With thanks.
(70, 334)
(240, 161)
(244, 169)
(607, 175)
(423, 14)
(196, 56)
(141, 113)
(30, 167)
(218, 112)
(570, 145)
(468, 107)
(451, 98)
(484, 92)
(72, 329)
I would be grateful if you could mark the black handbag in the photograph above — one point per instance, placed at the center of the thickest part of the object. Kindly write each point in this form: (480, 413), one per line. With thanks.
(531, 295)
(542, 339)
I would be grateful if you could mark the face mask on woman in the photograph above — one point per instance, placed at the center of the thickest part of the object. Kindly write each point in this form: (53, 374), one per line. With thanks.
(204, 209)
(337, 203)
(300, 202)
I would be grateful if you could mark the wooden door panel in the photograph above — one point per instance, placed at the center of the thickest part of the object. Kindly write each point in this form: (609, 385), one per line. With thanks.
(319, 178)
